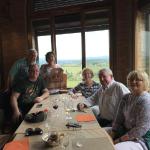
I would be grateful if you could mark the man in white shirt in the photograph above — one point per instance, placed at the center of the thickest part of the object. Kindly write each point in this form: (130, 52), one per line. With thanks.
(107, 98)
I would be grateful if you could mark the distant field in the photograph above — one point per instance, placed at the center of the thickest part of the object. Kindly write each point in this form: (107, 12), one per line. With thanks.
(73, 69)
(73, 74)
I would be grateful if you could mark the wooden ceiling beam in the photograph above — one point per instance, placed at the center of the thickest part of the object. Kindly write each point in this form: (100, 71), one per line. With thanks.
(70, 9)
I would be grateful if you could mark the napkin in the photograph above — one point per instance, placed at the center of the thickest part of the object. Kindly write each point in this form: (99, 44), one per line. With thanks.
(22, 144)
(85, 117)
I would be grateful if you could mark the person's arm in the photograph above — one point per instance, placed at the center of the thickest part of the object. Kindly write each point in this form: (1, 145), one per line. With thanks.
(11, 76)
(73, 91)
(14, 104)
(117, 125)
(45, 94)
(43, 71)
(14, 71)
(94, 99)
(91, 101)
(9, 83)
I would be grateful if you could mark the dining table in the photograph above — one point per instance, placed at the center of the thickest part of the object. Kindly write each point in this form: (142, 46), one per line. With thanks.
(61, 110)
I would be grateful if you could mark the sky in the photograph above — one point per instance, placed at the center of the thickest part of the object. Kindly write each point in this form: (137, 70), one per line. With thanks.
(69, 45)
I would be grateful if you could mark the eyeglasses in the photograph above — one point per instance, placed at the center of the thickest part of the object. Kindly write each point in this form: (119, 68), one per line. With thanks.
(33, 131)
(137, 80)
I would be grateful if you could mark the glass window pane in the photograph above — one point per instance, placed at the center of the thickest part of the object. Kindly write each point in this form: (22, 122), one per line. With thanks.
(142, 57)
(145, 50)
(97, 50)
(69, 56)
(44, 45)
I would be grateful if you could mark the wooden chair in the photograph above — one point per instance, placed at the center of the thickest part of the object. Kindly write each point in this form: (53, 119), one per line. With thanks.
(57, 79)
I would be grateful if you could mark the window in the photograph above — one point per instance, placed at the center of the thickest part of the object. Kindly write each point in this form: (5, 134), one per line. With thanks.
(69, 53)
(44, 46)
(146, 43)
(143, 50)
(67, 32)
(69, 56)
(97, 50)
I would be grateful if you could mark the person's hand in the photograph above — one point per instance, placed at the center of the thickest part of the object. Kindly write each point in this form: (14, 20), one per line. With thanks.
(81, 106)
(74, 96)
(38, 99)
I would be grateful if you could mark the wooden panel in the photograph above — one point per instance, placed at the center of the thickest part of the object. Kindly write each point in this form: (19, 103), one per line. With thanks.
(39, 5)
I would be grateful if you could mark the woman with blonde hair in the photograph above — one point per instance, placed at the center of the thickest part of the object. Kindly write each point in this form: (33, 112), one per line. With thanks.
(131, 128)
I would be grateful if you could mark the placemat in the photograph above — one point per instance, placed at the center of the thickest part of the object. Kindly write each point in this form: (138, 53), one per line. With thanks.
(85, 117)
(22, 144)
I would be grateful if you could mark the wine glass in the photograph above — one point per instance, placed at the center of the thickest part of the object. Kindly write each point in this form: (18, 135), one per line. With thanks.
(65, 141)
(77, 139)
(47, 127)
(67, 110)
(55, 103)
(55, 106)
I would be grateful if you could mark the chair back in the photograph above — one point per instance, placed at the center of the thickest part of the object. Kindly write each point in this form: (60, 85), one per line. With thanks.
(57, 79)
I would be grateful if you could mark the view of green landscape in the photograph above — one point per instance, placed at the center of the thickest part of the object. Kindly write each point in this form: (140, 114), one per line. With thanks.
(73, 69)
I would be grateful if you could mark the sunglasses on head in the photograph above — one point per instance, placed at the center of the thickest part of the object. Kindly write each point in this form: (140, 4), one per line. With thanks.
(33, 131)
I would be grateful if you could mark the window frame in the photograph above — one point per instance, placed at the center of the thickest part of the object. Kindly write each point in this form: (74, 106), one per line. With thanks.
(85, 23)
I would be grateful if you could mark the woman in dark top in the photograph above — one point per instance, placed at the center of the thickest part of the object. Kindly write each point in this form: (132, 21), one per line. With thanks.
(87, 87)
